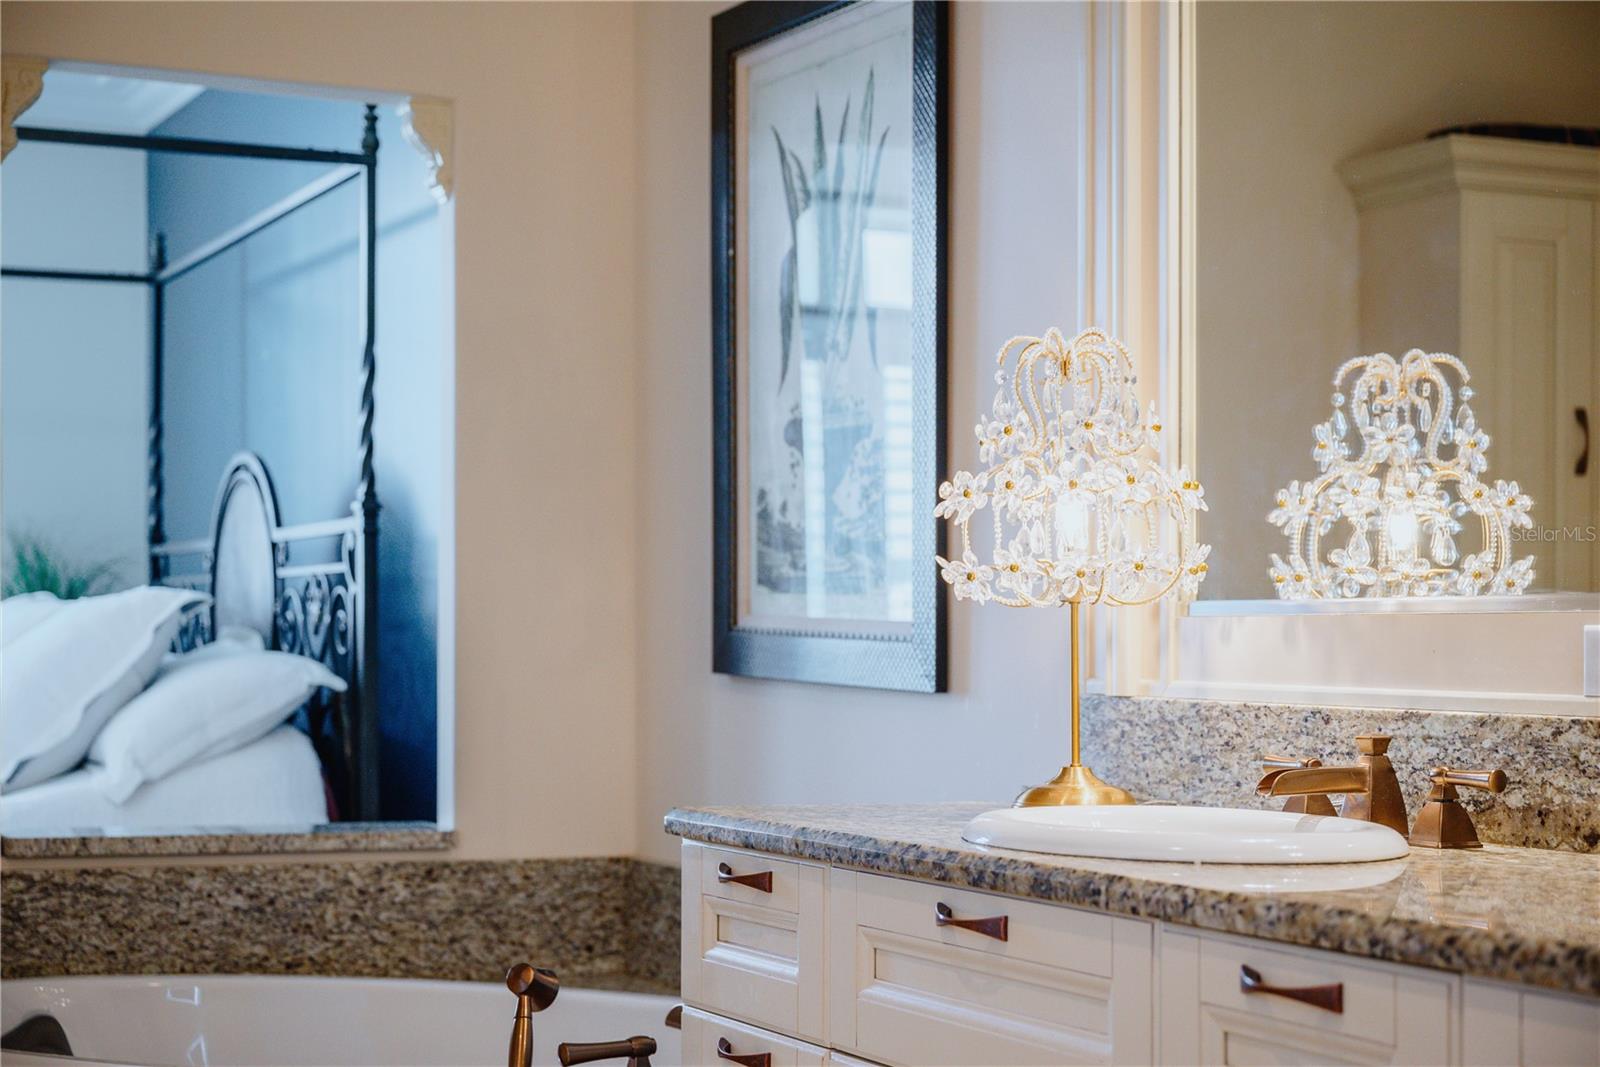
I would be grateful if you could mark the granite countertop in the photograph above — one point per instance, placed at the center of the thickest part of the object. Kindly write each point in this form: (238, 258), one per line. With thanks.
(1515, 914)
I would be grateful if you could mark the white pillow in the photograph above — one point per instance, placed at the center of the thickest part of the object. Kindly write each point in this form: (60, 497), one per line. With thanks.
(230, 641)
(202, 709)
(67, 673)
(21, 613)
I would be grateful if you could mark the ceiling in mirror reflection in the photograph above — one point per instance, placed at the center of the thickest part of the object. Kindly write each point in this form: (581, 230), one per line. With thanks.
(1330, 226)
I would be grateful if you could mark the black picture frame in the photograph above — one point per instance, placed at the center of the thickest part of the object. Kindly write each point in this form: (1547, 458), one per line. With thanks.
(915, 661)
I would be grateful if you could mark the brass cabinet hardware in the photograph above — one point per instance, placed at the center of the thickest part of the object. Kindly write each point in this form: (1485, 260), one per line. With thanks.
(1582, 466)
(1443, 822)
(761, 880)
(675, 1017)
(997, 927)
(636, 1050)
(748, 1059)
(1370, 787)
(1327, 997)
(1307, 803)
(536, 990)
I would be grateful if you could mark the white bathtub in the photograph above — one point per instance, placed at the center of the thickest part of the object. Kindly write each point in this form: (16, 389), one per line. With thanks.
(338, 1022)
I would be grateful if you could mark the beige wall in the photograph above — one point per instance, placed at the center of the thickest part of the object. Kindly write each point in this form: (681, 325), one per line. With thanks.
(545, 234)
(1285, 93)
(1013, 244)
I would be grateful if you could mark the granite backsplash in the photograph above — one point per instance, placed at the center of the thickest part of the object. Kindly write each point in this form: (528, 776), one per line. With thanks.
(1208, 752)
(609, 923)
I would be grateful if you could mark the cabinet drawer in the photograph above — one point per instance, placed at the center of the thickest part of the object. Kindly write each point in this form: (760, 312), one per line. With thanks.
(1037, 933)
(1361, 1012)
(1063, 986)
(777, 882)
(712, 1040)
(754, 952)
(1368, 995)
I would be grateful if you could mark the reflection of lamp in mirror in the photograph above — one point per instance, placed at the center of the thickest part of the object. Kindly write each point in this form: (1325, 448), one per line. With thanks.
(1414, 475)
(1082, 511)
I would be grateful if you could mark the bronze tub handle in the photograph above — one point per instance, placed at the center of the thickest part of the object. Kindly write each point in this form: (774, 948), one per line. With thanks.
(1327, 997)
(748, 1059)
(997, 927)
(761, 880)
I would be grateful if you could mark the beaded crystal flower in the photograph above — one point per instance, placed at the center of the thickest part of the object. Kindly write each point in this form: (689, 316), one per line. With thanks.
(1401, 470)
(1082, 511)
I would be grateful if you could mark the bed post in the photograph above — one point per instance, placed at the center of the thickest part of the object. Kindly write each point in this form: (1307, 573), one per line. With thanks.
(155, 486)
(365, 773)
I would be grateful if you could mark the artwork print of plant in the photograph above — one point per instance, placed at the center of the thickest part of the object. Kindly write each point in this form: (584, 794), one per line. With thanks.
(839, 193)
(829, 189)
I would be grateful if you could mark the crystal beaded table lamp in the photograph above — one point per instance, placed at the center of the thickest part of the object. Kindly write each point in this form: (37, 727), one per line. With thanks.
(1082, 510)
(1403, 468)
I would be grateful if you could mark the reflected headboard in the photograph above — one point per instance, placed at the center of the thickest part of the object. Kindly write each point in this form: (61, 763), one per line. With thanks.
(302, 588)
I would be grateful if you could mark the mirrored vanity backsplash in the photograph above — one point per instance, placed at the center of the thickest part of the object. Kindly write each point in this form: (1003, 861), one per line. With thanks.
(1208, 752)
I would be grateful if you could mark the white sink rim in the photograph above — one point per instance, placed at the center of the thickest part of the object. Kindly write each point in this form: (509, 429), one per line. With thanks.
(1181, 834)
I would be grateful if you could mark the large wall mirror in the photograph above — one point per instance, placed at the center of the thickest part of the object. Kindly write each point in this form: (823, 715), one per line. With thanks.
(1382, 177)
(223, 504)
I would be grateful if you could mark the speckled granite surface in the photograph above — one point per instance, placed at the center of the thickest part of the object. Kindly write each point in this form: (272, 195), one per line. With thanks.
(1205, 752)
(1522, 915)
(334, 837)
(596, 922)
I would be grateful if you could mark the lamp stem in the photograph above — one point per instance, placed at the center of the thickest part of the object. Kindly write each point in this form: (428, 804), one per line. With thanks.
(1077, 685)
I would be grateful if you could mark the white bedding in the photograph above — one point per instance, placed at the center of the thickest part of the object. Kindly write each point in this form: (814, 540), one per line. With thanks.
(272, 784)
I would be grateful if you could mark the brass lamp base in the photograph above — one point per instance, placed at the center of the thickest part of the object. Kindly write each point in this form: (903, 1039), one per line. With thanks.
(1076, 784)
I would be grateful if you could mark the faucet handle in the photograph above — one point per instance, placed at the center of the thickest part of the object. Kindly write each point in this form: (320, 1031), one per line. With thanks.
(536, 990)
(1309, 804)
(1490, 781)
(533, 984)
(637, 1050)
(1443, 822)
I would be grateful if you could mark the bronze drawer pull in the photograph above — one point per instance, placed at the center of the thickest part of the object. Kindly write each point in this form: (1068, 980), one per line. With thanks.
(1327, 997)
(761, 881)
(675, 1017)
(748, 1059)
(997, 927)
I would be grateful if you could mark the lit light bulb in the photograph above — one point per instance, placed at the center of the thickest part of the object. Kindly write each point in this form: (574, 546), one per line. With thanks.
(1073, 521)
(1403, 531)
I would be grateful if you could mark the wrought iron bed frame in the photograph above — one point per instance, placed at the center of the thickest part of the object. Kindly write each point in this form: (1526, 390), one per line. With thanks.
(308, 596)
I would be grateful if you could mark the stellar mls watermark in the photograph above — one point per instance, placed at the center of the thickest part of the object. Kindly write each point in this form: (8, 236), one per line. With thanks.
(1575, 534)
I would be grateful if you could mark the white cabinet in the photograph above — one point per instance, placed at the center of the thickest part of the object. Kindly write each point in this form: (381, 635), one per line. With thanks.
(1507, 1024)
(787, 964)
(711, 1039)
(753, 936)
(1239, 1001)
(929, 975)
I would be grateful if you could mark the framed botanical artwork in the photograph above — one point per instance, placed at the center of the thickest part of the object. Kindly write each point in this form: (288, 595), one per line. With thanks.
(828, 283)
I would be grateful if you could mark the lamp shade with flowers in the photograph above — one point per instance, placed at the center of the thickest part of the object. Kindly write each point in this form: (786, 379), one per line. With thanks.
(1396, 480)
(1072, 504)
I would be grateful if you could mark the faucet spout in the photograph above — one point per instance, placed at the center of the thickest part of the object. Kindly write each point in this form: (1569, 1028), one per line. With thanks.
(1300, 781)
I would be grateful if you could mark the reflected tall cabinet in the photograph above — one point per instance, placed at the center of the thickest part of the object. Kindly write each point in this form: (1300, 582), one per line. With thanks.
(1486, 247)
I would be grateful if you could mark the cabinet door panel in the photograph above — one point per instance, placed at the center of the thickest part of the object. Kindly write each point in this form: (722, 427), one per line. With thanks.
(749, 953)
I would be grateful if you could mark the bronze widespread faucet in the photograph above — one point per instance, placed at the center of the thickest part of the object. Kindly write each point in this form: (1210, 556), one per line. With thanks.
(1370, 786)
(536, 989)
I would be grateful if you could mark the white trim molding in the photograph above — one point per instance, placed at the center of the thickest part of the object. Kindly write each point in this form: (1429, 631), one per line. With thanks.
(1482, 164)
(428, 123)
(21, 82)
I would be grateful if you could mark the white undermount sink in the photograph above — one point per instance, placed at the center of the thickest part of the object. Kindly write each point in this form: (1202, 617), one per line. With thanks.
(1186, 834)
